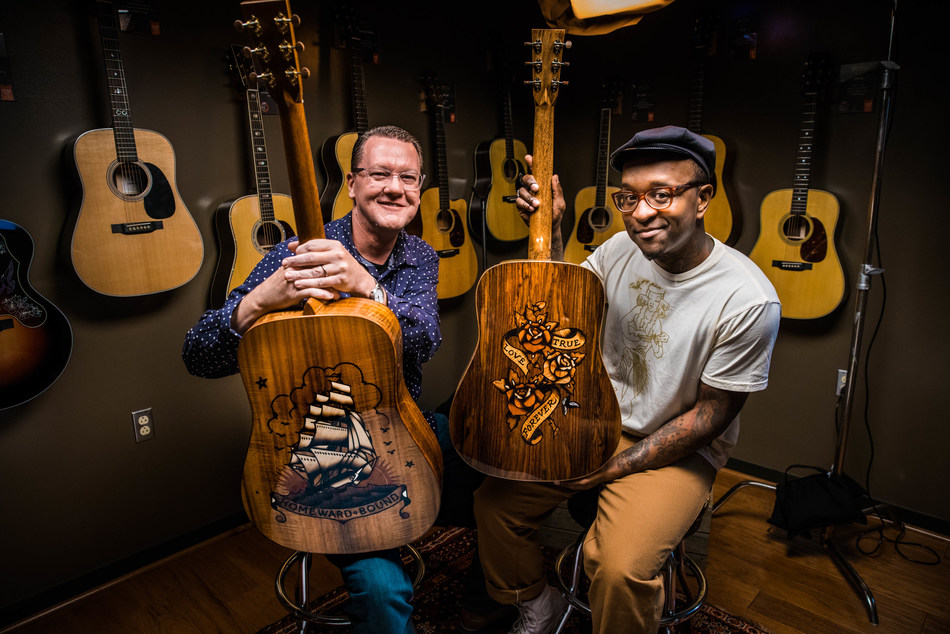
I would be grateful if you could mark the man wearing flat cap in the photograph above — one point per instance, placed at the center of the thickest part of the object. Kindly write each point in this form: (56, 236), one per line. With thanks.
(688, 333)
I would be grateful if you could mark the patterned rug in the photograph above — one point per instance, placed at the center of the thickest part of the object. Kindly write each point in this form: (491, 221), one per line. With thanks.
(448, 553)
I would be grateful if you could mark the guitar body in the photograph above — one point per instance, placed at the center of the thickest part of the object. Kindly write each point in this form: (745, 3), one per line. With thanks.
(535, 402)
(504, 222)
(592, 224)
(446, 231)
(245, 239)
(36, 340)
(138, 242)
(336, 157)
(340, 459)
(718, 218)
(796, 252)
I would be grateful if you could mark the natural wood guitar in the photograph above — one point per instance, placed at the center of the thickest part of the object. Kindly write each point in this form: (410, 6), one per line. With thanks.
(535, 402)
(596, 217)
(336, 153)
(340, 459)
(133, 234)
(497, 166)
(444, 222)
(718, 220)
(795, 248)
(250, 226)
(36, 340)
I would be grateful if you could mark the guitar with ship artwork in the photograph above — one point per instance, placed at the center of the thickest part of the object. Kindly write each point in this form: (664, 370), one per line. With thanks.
(336, 153)
(133, 234)
(535, 402)
(497, 166)
(340, 458)
(444, 222)
(718, 220)
(250, 226)
(596, 217)
(36, 340)
(795, 248)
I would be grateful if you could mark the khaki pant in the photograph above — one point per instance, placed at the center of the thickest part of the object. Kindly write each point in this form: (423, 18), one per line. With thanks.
(640, 518)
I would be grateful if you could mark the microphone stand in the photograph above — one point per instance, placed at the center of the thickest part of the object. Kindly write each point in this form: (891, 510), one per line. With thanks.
(888, 83)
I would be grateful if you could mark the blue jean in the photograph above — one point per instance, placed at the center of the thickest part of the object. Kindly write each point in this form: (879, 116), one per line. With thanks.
(380, 589)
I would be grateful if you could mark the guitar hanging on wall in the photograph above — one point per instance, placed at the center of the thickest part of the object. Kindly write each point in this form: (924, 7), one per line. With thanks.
(133, 234)
(36, 340)
(336, 153)
(250, 226)
(596, 217)
(718, 220)
(497, 166)
(535, 402)
(340, 458)
(795, 248)
(444, 221)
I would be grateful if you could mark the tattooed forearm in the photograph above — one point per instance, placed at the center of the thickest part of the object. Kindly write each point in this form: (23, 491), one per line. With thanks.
(683, 435)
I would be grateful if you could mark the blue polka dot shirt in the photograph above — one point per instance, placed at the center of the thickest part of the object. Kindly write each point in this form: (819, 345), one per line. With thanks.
(410, 277)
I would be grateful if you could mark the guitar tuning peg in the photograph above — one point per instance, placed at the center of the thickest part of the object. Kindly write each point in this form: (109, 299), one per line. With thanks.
(534, 82)
(260, 51)
(253, 25)
(536, 45)
(268, 78)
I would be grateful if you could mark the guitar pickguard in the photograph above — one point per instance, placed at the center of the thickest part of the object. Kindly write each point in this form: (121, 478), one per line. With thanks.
(160, 199)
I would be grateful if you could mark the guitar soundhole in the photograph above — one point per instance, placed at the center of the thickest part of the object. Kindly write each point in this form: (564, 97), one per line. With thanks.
(511, 169)
(445, 220)
(599, 218)
(268, 235)
(796, 228)
(129, 179)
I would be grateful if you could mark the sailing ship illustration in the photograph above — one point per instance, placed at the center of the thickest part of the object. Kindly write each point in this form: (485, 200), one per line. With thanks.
(334, 461)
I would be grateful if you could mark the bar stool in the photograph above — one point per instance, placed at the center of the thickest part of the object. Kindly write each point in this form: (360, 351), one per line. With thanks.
(682, 597)
(299, 608)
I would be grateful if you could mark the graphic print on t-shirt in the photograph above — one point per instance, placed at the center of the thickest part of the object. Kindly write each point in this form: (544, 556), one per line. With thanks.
(643, 335)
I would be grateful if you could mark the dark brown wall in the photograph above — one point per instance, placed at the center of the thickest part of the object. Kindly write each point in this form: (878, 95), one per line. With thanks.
(79, 494)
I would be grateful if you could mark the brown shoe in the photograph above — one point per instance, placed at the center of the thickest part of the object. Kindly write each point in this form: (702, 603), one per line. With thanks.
(490, 618)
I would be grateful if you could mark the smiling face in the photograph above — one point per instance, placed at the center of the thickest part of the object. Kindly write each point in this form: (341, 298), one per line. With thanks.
(675, 237)
(383, 208)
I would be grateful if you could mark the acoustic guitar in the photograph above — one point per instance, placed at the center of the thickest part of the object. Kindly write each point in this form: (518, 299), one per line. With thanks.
(36, 340)
(336, 153)
(250, 226)
(718, 220)
(535, 402)
(795, 248)
(340, 458)
(444, 221)
(497, 166)
(133, 234)
(596, 217)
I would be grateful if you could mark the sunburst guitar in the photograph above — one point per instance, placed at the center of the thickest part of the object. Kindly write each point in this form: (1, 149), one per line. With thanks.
(133, 234)
(795, 248)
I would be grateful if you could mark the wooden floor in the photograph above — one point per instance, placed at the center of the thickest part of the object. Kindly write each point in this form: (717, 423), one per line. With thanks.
(226, 584)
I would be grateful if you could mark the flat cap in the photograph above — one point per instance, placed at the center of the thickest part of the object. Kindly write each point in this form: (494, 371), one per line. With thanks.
(669, 139)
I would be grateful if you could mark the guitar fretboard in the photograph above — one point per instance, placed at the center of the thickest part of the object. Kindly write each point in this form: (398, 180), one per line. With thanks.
(509, 127)
(603, 148)
(259, 149)
(806, 142)
(359, 85)
(441, 175)
(115, 80)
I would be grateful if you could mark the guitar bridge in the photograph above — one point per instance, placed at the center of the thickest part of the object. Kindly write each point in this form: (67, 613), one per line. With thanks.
(447, 253)
(786, 265)
(135, 228)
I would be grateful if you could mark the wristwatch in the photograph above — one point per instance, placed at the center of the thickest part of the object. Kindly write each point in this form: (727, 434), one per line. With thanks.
(379, 294)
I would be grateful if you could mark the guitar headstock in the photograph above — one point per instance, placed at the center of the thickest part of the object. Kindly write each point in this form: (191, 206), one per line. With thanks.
(611, 95)
(243, 67)
(816, 73)
(547, 50)
(439, 98)
(704, 32)
(270, 26)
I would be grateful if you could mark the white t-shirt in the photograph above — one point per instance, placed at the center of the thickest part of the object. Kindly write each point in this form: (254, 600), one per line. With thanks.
(664, 332)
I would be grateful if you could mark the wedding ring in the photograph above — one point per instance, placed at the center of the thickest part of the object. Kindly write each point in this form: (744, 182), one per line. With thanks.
(324, 269)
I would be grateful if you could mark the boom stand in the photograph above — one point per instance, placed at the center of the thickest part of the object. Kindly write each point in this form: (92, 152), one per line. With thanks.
(888, 79)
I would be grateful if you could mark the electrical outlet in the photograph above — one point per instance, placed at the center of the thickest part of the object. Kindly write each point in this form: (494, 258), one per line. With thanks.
(841, 382)
(143, 424)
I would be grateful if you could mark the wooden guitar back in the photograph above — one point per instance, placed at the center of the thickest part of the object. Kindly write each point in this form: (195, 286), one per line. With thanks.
(340, 459)
(527, 408)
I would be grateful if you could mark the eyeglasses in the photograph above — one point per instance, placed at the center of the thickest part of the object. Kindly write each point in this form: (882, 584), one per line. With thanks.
(382, 176)
(659, 198)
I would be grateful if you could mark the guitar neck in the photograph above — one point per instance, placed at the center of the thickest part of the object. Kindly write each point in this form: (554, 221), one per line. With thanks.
(509, 126)
(695, 120)
(303, 179)
(806, 141)
(441, 176)
(360, 116)
(603, 149)
(539, 227)
(259, 150)
(115, 80)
